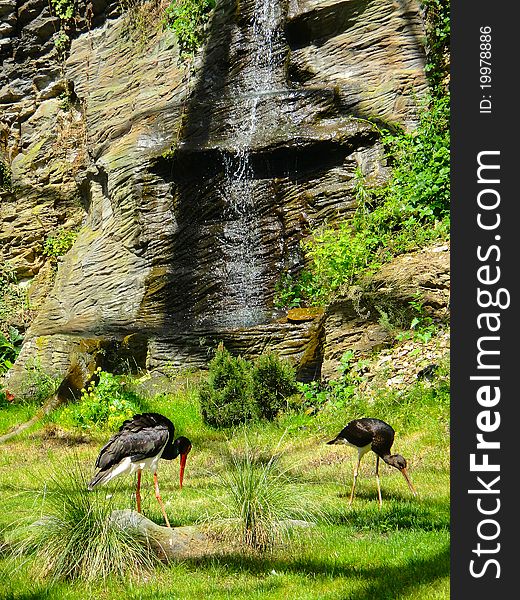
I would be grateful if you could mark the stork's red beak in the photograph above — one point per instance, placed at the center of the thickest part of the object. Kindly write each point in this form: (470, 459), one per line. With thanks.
(183, 464)
(405, 475)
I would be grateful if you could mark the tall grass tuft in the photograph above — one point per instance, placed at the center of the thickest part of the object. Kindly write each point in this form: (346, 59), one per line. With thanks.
(76, 536)
(263, 500)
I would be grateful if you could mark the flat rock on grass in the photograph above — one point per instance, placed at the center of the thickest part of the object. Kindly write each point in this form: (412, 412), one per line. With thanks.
(167, 542)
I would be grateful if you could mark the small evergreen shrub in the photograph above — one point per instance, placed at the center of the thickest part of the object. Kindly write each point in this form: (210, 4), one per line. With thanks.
(274, 381)
(237, 390)
(226, 398)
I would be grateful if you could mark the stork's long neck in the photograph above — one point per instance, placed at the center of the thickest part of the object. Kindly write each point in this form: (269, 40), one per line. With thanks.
(171, 450)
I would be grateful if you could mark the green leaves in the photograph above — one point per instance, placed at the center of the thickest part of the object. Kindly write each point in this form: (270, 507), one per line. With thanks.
(187, 19)
(10, 346)
(105, 404)
(438, 33)
(60, 243)
(5, 176)
(64, 9)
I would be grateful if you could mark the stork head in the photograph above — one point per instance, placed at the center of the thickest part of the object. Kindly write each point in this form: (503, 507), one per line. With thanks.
(399, 462)
(182, 446)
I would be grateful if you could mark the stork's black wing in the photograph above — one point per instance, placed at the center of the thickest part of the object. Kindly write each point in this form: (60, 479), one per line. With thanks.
(140, 437)
(357, 433)
(362, 432)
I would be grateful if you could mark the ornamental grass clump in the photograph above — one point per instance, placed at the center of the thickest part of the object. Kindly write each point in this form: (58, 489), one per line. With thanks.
(76, 537)
(263, 500)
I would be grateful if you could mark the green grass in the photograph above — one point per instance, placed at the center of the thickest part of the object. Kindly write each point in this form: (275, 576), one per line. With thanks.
(401, 551)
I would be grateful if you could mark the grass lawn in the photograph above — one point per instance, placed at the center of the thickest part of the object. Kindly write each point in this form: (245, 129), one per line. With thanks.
(358, 553)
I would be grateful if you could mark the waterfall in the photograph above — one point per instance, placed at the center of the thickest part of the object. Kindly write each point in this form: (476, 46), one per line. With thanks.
(244, 270)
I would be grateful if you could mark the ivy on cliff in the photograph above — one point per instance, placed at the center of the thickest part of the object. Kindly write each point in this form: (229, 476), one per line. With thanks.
(411, 210)
(437, 23)
(187, 19)
(5, 176)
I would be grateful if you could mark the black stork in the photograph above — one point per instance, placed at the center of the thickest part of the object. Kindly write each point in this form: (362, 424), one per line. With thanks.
(376, 435)
(138, 445)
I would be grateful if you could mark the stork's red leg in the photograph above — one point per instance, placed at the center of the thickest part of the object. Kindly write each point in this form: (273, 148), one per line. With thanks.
(159, 499)
(356, 470)
(378, 484)
(138, 491)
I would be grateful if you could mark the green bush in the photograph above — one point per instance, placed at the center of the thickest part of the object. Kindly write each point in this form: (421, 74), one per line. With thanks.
(10, 346)
(59, 243)
(105, 404)
(226, 397)
(237, 390)
(187, 18)
(274, 381)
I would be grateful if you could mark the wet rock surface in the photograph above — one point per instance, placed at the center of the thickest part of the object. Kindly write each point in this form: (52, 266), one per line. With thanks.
(194, 188)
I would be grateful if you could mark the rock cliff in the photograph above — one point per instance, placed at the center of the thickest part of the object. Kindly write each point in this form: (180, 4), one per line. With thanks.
(190, 185)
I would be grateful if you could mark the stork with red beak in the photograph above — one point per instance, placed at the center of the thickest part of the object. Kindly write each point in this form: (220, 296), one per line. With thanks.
(138, 445)
(376, 435)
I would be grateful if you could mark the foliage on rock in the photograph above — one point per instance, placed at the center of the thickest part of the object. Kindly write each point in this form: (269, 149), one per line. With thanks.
(10, 346)
(187, 19)
(59, 243)
(405, 214)
(64, 9)
(437, 18)
(408, 212)
(5, 176)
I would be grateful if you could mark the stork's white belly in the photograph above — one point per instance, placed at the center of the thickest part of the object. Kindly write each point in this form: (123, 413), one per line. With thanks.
(127, 467)
(361, 451)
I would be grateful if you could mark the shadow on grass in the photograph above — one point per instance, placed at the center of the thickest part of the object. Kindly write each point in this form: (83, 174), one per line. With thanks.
(427, 516)
(37, 595)
(366, 583)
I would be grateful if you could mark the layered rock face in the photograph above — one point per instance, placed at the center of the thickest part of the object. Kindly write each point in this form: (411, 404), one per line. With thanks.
(193, 190)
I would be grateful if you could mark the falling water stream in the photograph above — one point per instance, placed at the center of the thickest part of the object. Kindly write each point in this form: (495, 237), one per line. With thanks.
(244, 277)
